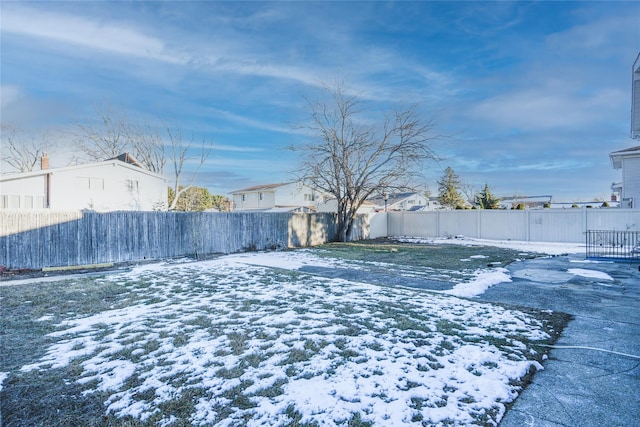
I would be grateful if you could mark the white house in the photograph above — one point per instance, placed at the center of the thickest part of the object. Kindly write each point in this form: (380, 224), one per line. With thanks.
(288, 196)
(111, 185)
(405, 202)
(635, 99)
(629, 161)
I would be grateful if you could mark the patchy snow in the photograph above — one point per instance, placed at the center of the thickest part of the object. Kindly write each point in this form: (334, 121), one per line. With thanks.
(593, 274)
(257, 343)
(484, 280)
(549, 248)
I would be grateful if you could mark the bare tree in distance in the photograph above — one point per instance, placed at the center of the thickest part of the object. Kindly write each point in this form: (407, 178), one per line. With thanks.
(179, 148)
(152, 144)
(353, 160)
(23, 152)
(469, 191)
(109, 138)
(148, 147)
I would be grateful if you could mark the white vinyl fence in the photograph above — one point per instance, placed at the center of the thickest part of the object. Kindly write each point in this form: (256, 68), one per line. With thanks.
(544, 225)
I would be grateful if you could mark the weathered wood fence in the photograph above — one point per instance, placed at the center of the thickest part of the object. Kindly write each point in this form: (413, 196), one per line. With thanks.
(39, 239)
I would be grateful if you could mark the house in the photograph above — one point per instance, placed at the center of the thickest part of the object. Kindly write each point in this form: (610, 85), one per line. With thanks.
(111, 185)
(331, 205)
(629, 161)
(405, 202)
(283, 197)
(635, 99)
(530, 202)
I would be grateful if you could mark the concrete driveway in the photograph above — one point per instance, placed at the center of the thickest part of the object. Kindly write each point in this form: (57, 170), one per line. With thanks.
(595, 380)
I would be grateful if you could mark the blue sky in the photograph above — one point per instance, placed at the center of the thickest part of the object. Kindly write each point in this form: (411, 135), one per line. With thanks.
(532, 96)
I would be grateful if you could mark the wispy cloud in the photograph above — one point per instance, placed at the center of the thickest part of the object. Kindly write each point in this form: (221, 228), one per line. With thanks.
(253, 123)
(85, 32)
(544, 108)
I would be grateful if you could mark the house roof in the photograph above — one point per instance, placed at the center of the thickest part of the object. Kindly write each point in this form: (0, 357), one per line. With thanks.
(627, 150)
(115, 161)
(264, 187)
(395, 198)
(616, 156)
(127, 158)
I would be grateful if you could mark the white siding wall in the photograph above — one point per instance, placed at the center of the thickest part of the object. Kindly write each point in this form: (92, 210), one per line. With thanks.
(635, 100)
(288, 195)
(631, 180)
(295, 194)
(106, 187)
(19, 193)
(254, 200)
(101, 187)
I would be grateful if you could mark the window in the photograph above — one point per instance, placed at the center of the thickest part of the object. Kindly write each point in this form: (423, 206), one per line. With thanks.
(309, 197)
(14, 202)
(28, 202)
(132, 185)
(96, 184)
(260, 196)
(85, 183)
(244, 197)
(82, 183)
(4, 202)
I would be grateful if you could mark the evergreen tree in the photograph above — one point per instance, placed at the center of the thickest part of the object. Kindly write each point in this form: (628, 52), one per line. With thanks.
(486, 200)
(448, 190)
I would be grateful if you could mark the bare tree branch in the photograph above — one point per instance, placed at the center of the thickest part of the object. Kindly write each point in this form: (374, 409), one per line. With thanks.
(106, 139)
(22, 152)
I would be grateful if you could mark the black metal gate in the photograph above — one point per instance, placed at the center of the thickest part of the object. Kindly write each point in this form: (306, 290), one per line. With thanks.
(621, 245)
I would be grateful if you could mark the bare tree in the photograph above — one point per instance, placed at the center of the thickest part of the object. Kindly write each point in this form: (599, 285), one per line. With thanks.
(353, 160)
(469, 190)
(109, 138)
(153, 145)
(148, 147)
(23, 152)
(179, 149)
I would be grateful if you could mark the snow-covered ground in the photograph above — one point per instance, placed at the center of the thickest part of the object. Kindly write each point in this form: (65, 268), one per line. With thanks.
(258, 342)
(549, 248)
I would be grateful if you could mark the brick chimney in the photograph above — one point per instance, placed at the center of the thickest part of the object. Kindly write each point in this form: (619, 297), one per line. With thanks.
(44, 162)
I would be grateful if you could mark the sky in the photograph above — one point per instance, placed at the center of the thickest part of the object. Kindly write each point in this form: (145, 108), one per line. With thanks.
(527, 97)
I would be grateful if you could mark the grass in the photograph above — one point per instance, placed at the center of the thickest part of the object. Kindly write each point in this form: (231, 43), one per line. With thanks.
(208, 343)
(432, 257)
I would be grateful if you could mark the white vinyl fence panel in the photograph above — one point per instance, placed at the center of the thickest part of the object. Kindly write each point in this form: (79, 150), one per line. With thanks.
(548, 225)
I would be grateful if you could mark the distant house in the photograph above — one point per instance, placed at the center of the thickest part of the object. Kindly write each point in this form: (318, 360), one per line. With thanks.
(530, 202)
(406, 202)
(111, 185)
(283, 197)
(331, 205)
(629, 161)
